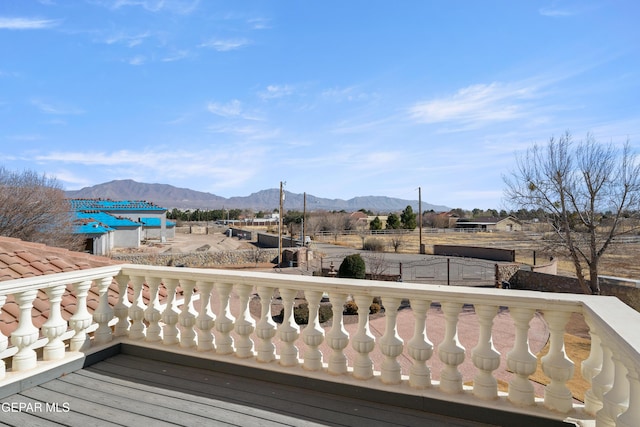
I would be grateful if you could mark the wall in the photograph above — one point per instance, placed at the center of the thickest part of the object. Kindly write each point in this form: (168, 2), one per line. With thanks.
(493, 254)
(202, 259)
(271, 241)
(127, 237)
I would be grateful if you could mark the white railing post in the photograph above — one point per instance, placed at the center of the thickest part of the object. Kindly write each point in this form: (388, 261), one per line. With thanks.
(419, 347)
(520, 360)
(313, 334)
(152, 313)
(556, 365)
(363, 341)
(26, 335)
(170, 314)
(616, 400)
(631, 418)
(390, 344)
(136, 310)
(4, 341)
(187, 316)
(55, 325)
(81, 319)
(484, 355)
(337, 337)
(206, 318)
(601, 383)
(104, 313)
(288, 331)
(450, 350)
(224, 321)
(266, 327)
(245, 325)
(121, 309)
(590, 368)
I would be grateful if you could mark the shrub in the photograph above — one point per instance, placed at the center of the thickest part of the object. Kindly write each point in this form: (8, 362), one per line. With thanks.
(374, 308)
(352, 267)
(301, 314)
(375, 245)
(350, 308)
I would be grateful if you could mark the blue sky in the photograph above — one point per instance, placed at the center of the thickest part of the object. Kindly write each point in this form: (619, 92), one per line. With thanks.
(337, 98)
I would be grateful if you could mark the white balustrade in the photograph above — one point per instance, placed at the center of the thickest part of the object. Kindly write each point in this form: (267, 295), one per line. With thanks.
(187, 316)
(363, 342)
(55, 325)
(206, 318)
(104, 313)
(81, 319)
(313, 334)
(170, 315)
(419, 347)
(556, 365)
(337, 337)
(288, 331)
(612, 366)
(152, 313)
(224, 320)
(450, 351)
(484, 356)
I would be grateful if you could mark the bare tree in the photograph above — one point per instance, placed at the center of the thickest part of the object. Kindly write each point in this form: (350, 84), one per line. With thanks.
(33, 208)
(586, 189)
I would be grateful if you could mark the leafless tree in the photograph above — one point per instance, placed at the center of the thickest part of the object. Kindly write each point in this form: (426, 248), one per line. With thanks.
(587, 189)
(33, 208)
(397, 240)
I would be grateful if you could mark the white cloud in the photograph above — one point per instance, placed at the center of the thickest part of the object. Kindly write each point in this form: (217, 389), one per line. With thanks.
(181, 7)
(232, 108)
(259, 23)
(176, 56)
(137, 60)
(276, 91)
(58, 109)
(225, 45)
(128, 40)
(27, 23)
(476, 105)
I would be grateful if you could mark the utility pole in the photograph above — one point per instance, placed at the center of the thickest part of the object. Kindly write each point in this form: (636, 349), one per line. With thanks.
(420, 219)
(280, 227)
(304, 216)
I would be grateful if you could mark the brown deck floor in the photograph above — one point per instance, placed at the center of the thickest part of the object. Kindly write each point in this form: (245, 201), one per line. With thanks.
(134, 391)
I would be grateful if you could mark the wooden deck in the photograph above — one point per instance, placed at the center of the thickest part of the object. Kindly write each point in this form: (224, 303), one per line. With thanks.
(135, 391)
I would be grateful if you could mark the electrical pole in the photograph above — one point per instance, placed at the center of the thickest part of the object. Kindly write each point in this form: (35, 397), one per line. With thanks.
(420, 218)
(280, 227)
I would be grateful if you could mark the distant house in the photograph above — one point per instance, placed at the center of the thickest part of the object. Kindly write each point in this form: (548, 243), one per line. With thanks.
(124, 223)
(490, 224)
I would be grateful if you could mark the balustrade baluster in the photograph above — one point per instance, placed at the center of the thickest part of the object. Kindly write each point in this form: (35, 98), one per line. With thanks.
(136, 310)
(266, 327)
(391, 344)
(631, 418)
(616, 400)
(420, 348)
(170, 314)
(556, 365)
(601, 383)
(363, 342)
(152, 313)
(337, 337)
(450, 351)
(187, 316)
(81, 319)
(590, 368)
(55, 325)
(26, 335)
(224, 321)
(245, 325)
(121, 309)
(206, 318)
(313, 334)
(104, 313)
(520, 360)
(4, 341)
(288, 331)
(484, 355)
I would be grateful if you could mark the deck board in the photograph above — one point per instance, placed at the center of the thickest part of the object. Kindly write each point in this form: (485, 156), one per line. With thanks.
(131, 390)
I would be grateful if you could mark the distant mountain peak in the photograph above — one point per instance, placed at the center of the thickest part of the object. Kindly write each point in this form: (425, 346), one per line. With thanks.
(170, 197)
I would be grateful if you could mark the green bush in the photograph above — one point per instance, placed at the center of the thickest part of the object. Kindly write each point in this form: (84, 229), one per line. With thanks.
(350, 308)
(301, 314)
(352, 267)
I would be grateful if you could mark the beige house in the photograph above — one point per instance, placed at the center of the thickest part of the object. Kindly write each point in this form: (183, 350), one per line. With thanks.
(490, 224)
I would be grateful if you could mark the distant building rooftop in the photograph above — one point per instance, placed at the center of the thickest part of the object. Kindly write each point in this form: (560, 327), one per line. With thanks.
(113, 205)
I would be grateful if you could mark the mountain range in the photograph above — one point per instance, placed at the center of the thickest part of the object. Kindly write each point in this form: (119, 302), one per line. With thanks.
(171, 197)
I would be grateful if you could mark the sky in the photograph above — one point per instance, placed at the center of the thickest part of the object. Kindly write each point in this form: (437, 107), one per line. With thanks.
(335, 98)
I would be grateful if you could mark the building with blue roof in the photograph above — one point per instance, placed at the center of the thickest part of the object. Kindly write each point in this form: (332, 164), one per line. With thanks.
(120, 223)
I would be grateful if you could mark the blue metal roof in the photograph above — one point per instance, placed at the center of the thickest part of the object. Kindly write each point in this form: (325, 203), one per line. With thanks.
(92, 227)
(108, 219)
(113, 205)
(155, 222)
